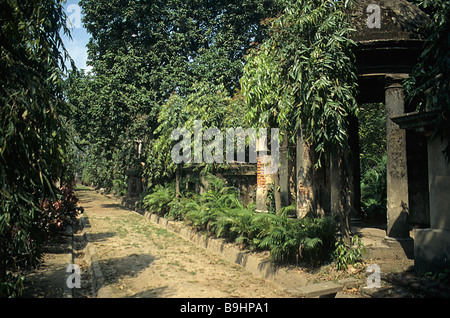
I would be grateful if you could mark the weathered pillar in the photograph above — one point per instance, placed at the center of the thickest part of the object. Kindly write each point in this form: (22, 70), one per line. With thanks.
(304, 177)
(397, 172)
(354, 170)
(263, 179)
(283, 173)
(432, 245)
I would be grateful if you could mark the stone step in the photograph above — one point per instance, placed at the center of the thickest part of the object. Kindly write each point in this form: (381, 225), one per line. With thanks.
(326, 289)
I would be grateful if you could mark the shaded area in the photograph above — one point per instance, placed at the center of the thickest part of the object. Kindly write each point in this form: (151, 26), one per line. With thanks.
(407, 284)
(49, 279)
(115, 206)
(151, 293)
(115, 269)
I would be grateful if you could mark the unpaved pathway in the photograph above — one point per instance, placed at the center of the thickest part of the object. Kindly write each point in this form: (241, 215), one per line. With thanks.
(141, 259)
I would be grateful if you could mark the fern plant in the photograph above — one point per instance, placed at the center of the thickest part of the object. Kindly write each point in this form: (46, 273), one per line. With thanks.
(373, 189)
(283, 241)
(242, 227)
(158, 201)
(219, 212)
(292, 240)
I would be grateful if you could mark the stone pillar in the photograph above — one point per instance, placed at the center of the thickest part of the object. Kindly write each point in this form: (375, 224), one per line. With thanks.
(432, 245)
(438, 184)
(134, 183)
(263, 179)
(304, 177)
(283, 173)
(397, 172)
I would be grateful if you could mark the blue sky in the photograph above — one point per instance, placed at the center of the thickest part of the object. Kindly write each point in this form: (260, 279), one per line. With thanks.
(77, 46)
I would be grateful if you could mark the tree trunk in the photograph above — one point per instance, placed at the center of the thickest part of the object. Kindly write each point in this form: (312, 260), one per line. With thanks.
(276, 192)
(340, 190)
(345, 198)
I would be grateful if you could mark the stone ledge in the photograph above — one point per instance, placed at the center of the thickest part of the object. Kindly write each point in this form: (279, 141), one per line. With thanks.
(326, 289)
(91, 256)
(259, 266)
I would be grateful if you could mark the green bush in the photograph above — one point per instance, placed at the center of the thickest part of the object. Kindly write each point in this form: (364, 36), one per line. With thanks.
(158, 202)
(119, 187)
(345, 254)
(292, 240)
(218, 212)
(374, 189)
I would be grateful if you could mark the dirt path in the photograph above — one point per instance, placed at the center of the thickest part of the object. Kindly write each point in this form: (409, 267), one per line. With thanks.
(141, 259)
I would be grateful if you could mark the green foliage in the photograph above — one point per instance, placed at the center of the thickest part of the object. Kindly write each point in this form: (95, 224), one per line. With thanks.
(146, 57)
(290, 240)
(218, 212)
(428, 86)
(302, 77)
(119, 187)
(207, 102)
(442, 277)
(374, 189)
(372, 135)
(34, 141)
(159, 200)
(372, 143)
(345, 254)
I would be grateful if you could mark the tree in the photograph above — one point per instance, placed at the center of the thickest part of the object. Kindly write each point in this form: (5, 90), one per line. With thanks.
(303, 78)
(208, 104)
(33, 140)
(144, 52)
(429, 84)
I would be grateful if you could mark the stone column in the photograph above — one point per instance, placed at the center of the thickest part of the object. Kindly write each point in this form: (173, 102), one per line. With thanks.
(263, 179)
(397, 172)
(283, 173)
(432, 245)
(304, 177)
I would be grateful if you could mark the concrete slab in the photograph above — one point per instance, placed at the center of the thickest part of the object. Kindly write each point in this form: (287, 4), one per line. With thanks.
(319, 290)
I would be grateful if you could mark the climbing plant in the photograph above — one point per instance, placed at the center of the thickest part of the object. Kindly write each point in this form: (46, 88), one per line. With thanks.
(302, 77)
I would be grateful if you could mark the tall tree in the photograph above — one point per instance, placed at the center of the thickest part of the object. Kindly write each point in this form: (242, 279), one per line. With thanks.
(33, 141)
(429, 84)
(303, 79)
(303, 76)
(142, 52)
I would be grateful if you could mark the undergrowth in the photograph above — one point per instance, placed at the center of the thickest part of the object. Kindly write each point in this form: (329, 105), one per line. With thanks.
(218, 212)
